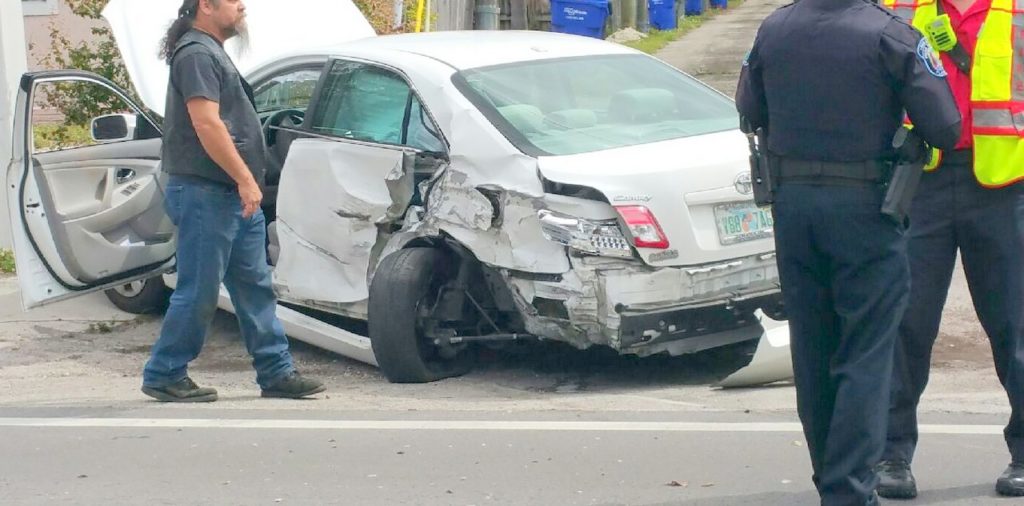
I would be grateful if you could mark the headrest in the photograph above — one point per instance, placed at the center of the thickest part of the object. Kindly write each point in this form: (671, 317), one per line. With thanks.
(642, 105)
(525, 118)
(571, 119)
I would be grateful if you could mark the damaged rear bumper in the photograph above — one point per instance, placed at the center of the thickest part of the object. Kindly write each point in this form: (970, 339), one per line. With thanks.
(642, 310)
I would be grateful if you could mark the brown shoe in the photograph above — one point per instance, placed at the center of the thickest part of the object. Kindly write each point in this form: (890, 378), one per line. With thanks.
(294, 386)
(183, 390)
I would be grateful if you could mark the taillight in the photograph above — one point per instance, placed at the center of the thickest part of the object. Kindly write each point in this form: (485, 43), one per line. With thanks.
(644, 228)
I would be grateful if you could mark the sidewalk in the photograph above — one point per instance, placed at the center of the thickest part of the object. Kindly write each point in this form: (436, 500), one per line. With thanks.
(714, 52)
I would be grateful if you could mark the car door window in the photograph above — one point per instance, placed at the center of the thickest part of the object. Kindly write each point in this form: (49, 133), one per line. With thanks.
(290, 90)
(65, 113)
(369, 103)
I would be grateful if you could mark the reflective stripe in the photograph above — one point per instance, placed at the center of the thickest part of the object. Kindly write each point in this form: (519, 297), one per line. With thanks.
(1016, 40)
(906, 13)
(992, 118)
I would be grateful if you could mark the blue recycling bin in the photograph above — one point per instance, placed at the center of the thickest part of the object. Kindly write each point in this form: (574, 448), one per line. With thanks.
(693, 7)
(662, 14)
(719, 4)
(579, 17)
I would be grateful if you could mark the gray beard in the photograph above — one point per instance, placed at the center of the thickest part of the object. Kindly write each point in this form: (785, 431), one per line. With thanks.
(241, 42)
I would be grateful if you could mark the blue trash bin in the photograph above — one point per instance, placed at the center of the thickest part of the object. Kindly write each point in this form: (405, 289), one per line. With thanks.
(662, 14)
(693, 7)
(719, 4)
(579, 17)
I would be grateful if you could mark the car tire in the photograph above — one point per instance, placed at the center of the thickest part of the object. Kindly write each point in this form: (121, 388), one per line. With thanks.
(402, 284)
(146, 296)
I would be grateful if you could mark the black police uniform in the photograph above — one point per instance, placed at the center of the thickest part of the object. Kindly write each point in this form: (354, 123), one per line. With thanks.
(830, 80)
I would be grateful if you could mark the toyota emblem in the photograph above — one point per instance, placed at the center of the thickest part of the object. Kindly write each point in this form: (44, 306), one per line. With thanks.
(743, 183)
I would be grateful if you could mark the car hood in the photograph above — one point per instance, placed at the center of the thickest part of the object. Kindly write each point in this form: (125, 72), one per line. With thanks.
(276, 28)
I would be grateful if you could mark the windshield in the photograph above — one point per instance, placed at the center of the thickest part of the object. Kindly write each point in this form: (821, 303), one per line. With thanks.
(576, 105)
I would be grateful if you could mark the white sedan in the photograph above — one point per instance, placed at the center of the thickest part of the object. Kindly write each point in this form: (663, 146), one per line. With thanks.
(452, 189)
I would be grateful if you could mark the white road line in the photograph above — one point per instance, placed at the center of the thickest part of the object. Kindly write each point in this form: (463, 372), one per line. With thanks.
(487, 425)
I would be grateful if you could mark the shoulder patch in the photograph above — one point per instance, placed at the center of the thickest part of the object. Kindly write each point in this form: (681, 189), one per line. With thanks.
(930, 58)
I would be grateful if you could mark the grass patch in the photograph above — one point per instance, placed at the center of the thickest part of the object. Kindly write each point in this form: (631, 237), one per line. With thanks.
(101, 327)
(60, 136)
(656, 40)
(6, 261)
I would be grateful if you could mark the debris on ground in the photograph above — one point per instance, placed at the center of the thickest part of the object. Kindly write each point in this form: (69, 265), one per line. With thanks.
(626, 35)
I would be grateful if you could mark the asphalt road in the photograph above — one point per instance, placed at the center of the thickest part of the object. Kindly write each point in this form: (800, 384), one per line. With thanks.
(183, 456)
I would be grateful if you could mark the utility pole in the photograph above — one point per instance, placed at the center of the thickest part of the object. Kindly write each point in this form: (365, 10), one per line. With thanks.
(399, 19)
(12, 65)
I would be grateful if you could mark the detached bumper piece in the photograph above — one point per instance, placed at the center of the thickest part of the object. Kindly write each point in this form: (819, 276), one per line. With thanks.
(650, 329)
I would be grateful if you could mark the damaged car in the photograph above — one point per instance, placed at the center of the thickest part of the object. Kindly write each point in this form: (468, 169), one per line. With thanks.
(451, 189)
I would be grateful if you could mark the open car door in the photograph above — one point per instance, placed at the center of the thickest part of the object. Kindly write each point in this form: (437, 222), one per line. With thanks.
(84, 195)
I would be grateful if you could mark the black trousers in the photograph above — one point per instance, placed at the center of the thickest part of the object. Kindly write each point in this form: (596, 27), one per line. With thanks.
(845, 281)
(953, 212)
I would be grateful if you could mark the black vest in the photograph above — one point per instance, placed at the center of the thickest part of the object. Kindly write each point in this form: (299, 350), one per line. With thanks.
(182, 153)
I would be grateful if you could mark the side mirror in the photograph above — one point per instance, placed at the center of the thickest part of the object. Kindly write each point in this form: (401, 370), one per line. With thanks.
(114, 127)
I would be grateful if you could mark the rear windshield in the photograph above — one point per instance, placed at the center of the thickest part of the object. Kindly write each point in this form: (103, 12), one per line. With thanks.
(577, 105)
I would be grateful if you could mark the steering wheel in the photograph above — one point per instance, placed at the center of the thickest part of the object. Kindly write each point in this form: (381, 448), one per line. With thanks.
(293, 116)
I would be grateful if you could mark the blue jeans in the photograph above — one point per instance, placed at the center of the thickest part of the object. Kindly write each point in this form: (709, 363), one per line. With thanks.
(215, 244)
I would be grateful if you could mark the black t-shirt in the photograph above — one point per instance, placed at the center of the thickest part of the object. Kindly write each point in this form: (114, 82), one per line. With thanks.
(201, 69)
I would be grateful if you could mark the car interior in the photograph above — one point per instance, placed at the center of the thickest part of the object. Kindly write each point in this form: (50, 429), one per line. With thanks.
(362, 103)
(100, 199)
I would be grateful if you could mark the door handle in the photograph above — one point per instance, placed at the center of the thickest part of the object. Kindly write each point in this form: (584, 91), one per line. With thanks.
(124, 175)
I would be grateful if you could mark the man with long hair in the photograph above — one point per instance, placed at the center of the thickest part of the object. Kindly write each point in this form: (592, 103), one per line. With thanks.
(213, 152)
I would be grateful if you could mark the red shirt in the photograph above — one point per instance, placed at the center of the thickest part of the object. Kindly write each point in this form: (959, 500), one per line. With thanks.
(967, 25)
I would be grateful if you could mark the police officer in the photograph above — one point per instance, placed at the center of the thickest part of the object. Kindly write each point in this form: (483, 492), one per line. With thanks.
(973, 202)
(830, 80)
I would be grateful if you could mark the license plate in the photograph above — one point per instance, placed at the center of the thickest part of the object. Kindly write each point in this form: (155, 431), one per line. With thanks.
(742, 221)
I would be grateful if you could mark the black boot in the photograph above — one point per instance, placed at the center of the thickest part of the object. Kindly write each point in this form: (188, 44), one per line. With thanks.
(896, 481)
(184, 390)
(294, 386)
(1011, 483)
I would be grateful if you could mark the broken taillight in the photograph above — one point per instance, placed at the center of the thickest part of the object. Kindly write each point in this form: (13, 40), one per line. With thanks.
(643, 226)
(594, 237)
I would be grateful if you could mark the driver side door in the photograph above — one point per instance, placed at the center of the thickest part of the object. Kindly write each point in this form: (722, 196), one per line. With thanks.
(84, 195)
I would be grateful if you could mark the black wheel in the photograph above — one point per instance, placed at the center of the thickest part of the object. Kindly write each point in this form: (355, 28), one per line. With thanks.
(403, 293)
(141, 297)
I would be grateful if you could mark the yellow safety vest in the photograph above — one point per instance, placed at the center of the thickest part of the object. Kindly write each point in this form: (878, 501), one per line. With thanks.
(997, 88)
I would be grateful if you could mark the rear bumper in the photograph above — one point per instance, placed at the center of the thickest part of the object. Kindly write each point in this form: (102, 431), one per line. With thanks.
(690, 329)
(641, 310)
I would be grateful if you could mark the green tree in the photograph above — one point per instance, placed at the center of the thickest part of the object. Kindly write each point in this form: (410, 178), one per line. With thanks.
(80, 102)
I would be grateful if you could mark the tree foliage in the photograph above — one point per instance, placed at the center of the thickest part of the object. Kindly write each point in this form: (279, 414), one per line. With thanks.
(79, 102)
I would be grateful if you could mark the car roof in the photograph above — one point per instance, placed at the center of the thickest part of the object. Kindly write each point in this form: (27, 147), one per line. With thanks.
(478, 48)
